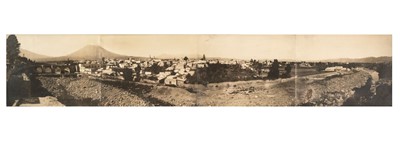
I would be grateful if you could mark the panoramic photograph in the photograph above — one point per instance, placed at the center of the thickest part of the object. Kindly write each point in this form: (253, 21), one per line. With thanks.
(198, 70)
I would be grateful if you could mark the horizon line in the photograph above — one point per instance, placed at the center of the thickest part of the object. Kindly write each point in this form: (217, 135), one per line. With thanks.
(191, 55)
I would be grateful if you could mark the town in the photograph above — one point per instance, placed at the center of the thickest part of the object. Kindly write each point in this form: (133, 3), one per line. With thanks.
(177, 72)
(84, 78)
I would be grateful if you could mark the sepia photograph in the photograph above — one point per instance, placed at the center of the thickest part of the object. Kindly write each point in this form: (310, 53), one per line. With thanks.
(206, 79)
(198, 70)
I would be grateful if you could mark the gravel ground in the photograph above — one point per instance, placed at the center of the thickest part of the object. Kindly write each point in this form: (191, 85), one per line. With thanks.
(251, 93)
(83, 91)
(332, 91)
(329, 89)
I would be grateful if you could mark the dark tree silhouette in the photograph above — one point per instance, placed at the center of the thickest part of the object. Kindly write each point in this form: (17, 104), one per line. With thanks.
(137, 71)
(12, 48)
(384, 70)
(274, 70)
(321, 66)
(288, 70)
(128, 74)
(259, 68)
(155, 69)
(15, 63)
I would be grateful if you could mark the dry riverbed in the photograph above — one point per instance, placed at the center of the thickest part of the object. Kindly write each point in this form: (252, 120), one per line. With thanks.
(329, 89)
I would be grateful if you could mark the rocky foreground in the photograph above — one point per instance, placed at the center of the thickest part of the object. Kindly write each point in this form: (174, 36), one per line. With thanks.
(93, 92)
(86, 92)
(357, 87)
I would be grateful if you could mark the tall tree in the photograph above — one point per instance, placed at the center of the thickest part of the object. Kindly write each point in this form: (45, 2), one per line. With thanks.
(12, 48)
(137, 71)
(128, 74)
(259, 68)
(274, 70)
(288, 69)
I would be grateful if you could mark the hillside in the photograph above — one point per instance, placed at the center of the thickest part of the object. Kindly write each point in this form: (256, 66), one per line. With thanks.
(31, 55)
(89, 52)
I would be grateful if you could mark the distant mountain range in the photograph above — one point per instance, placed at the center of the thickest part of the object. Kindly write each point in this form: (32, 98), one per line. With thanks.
(89, 52)
(380, 59)
(95, 52)
(32, 55)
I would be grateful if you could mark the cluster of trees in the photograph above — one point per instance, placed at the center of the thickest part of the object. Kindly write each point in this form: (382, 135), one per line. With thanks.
(224, 72)
(257, 65)
(156, 69)
(384, 69)
(220, 73)
(128, 74)
(274, 72)
(15, 63)
(320, 66)
(288, 70)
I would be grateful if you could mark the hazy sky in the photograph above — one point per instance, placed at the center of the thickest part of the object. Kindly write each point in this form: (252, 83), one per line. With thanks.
(342, 46)
(302, 47)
